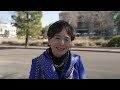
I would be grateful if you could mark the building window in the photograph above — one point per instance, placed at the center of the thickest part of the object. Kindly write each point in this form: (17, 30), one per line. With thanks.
(96, 24)
(1, 30)
(6, 33)
(81, 17)
(83, 25)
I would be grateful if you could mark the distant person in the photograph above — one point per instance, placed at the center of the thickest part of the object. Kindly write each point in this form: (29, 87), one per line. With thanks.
(58, 62)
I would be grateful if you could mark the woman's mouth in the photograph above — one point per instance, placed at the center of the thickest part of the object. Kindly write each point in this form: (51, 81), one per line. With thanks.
(60, 49)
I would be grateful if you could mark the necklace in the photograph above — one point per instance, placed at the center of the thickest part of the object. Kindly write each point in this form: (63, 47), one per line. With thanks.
(57, 66)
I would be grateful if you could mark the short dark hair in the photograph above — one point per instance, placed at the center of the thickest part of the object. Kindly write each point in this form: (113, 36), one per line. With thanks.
(58, 26)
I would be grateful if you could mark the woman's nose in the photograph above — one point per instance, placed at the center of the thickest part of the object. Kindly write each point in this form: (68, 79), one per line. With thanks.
(62, 42)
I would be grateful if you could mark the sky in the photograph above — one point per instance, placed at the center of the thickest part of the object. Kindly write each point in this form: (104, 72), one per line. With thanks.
(48, 17)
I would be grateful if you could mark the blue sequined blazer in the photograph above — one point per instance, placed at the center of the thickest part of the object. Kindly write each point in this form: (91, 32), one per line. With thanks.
(42, 67)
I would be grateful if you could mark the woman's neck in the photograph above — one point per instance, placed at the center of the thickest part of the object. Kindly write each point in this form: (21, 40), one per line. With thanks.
(57, 60)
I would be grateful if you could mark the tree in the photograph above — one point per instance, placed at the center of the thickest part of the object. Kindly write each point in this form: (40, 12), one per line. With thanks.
(116, 15)
(45, 30)
(29, 22)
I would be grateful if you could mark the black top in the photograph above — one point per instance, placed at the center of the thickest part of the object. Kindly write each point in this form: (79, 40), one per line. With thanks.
(58, 61)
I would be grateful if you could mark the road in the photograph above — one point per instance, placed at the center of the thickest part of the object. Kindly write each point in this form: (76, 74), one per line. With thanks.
(16, 63)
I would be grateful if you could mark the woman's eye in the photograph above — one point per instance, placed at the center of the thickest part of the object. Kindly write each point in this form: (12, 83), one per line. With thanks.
(57, 38)
(66, 40)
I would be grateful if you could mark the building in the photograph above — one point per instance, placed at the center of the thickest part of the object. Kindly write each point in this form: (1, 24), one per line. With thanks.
(90, 22)
(7, 30)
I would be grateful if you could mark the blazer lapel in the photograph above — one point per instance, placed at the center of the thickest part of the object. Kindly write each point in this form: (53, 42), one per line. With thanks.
(47, 66)
(69, 66)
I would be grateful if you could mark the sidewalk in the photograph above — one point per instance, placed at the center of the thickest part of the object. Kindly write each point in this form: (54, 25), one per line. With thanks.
(110, 50)
(93, 49)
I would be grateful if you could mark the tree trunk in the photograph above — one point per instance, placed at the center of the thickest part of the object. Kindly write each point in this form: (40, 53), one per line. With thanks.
(26, 38)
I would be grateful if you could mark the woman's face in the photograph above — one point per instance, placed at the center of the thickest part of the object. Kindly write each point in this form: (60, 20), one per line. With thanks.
(60, 43)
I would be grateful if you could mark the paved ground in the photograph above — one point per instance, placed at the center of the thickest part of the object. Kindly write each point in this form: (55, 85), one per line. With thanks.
(15, 63)
(93, 49)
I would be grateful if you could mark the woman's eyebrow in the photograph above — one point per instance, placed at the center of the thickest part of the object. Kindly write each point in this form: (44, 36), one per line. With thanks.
(67, 37)
(61, 36)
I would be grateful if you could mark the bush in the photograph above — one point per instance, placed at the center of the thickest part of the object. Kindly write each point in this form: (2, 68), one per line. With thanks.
(114, 42)
(79, 44)
(92, 44)
(35, 43)
(13, 43)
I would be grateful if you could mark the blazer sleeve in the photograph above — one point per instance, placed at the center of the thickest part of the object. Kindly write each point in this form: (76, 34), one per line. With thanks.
(81, 69)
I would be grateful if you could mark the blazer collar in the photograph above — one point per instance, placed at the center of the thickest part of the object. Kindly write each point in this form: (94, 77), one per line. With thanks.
(69, 66)
(47, 65)
(49, 69)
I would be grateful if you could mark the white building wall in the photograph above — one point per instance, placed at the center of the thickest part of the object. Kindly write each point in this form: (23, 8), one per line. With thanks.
(10, 28)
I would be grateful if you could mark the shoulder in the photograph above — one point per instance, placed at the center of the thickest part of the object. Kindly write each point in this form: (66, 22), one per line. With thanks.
(38, 58)
(76, 56)
(34, 60)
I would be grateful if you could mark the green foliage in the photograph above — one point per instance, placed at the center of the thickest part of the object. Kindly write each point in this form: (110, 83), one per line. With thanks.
(45, 30)
(116, 15)
(114, 42)
(29, 22)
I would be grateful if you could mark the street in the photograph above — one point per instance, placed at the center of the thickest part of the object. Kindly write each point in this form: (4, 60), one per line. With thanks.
(16, 63)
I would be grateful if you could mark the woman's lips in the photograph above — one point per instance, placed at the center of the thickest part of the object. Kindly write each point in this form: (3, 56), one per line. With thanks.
(60, 49)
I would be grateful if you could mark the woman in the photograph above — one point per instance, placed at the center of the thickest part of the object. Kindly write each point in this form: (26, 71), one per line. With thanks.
(58, 62)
